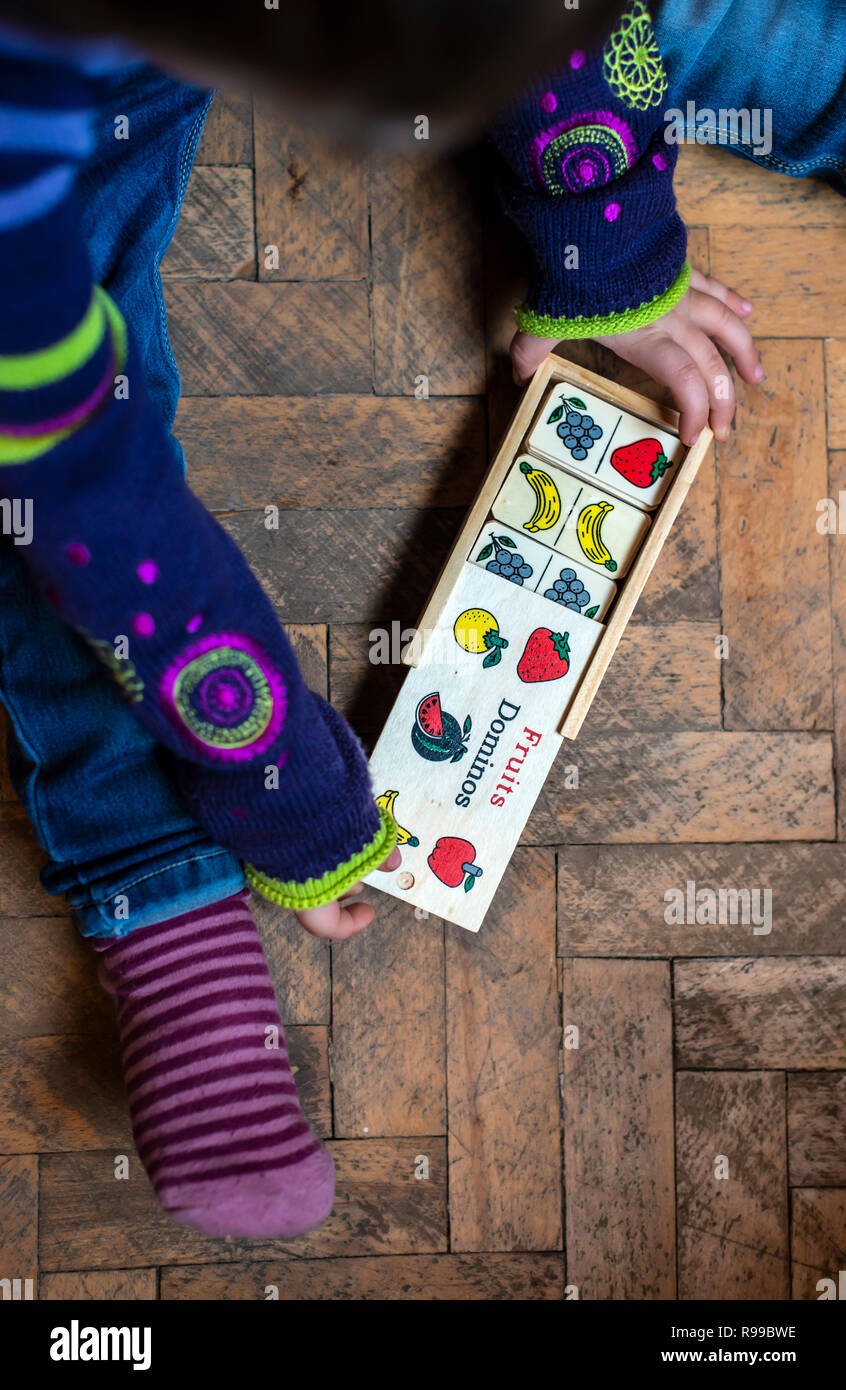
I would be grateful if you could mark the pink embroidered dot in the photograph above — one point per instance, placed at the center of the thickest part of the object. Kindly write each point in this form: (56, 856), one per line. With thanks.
(659, 161)
(548, 102)
(143, 625)
(280, 762)
(577, 59)
(238, 813)
(77, 553)
(587, 172)
(148, 571)
(194, 624)
(612, 212)
(52, 596)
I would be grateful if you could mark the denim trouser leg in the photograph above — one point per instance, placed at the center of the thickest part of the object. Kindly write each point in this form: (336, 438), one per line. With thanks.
(764, 56)
(94, 783)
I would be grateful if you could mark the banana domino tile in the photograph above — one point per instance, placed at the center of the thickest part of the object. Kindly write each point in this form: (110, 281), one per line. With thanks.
(621, 453)
(471, 738)
(519, 631)
(571, 516)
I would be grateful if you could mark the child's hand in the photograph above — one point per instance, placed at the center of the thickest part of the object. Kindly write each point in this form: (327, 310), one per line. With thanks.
(679, 351)
(342, 918)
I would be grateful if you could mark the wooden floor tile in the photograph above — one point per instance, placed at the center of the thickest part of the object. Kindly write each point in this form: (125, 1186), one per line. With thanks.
(311, 204)
(502, 1069)
(627, 900)
(62, 1093)
(317, 567)
(722, 189)
(835, 381)
(687, 786)
(89, 1220)
(816, 1119)
(618, 1130)
(215, 238)
(818, 1242)
(228, 133)
(774, 562)
(732, 1185)
(100, 1285)
(240, 338)
(427, 288)
(794, 276)
(334, 451)
(388, 1026)
(739, 1014)
(19, 1220)
(384, 1278)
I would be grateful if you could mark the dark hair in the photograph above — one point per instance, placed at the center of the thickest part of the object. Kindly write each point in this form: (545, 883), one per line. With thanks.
(390, 56)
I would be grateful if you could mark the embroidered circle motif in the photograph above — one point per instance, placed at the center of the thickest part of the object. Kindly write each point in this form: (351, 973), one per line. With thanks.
(226, 697)
(582, 152)
(631, 62)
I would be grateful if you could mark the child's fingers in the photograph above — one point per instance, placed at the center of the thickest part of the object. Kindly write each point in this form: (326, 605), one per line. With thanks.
(393, 861)
(706, 284)
(719, 321)
(336, 920)
(716, 376)
(527, 353)
(668, 362)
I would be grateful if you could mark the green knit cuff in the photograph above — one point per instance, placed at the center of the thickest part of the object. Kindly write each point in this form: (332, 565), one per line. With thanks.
(543, 326)
(317, 891)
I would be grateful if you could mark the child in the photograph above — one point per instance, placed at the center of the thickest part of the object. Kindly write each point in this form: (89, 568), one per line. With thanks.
(270, 775)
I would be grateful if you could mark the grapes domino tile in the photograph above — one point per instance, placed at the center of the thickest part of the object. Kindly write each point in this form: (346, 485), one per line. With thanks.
(471, 738)
(571, 585)
(620, 452)
(575, 519)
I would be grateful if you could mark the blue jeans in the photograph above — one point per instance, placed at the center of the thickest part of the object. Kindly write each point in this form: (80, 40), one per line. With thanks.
(94, 783)
(759, 56)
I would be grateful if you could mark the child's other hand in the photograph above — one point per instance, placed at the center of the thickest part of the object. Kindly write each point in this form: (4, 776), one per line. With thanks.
(679, 351)
(343, 918)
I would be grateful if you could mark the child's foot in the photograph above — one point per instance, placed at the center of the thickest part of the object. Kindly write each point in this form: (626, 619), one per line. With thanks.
(214, 1107)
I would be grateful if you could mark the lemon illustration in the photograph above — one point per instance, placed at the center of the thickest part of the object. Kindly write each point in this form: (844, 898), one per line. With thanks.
(477, 631)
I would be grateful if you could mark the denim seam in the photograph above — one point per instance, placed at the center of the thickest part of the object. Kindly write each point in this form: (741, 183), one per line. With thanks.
(773, 160)
(39, 821)
(100, 903)
(186, 162)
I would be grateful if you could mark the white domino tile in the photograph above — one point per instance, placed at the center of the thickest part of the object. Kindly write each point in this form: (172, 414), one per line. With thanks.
(565, 582)
(623, 454)
(600, 532)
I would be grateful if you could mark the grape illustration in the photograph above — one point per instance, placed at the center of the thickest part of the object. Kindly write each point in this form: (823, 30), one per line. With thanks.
(575, 427)
(570, 592)
(506, 561)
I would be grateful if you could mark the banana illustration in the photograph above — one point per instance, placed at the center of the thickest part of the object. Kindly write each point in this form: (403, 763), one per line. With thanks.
(548, 503)
(404, 837)
(589, 532)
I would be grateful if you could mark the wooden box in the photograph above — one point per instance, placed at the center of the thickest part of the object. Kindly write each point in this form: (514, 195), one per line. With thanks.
(500, 673)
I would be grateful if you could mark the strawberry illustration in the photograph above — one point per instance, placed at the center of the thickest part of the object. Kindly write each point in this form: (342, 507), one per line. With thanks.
(546, 658)
(641, 463)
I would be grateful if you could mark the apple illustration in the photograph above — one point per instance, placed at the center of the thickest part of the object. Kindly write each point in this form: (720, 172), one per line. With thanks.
(451, 859)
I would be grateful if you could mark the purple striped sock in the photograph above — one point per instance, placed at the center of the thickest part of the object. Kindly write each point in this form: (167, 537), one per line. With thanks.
(214, 1107)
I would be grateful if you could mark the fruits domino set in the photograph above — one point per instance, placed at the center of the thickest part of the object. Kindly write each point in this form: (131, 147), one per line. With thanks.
(520, 627)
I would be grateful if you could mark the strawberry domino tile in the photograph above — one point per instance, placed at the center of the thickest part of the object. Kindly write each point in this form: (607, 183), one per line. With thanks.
(567, 583)
(471, 738)
(575, 519)
(597, 440)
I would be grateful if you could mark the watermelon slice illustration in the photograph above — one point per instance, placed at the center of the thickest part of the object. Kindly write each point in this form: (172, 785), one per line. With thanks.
(429, 716)
(437, 735)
